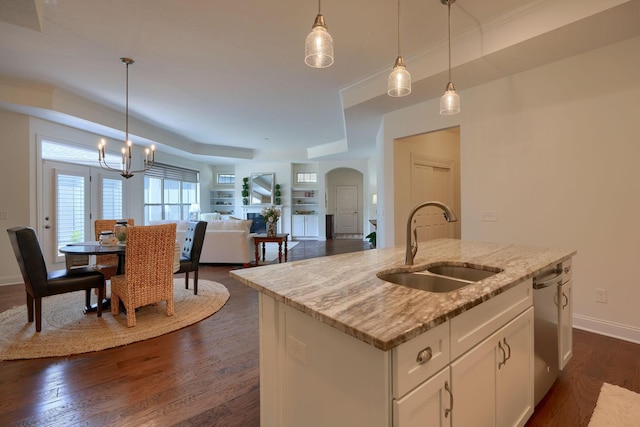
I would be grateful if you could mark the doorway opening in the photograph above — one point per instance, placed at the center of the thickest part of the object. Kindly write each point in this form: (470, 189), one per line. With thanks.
(427, 167)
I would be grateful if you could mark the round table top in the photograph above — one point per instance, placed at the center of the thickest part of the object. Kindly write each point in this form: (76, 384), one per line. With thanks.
(91, 248)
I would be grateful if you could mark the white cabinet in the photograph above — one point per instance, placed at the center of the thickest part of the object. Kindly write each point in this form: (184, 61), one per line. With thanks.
(492, 384)
(565, 324)
(304, 226)
(429, 404)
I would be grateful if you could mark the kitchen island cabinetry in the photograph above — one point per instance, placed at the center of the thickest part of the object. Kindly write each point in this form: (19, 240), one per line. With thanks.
(340, 346)
(407, 386)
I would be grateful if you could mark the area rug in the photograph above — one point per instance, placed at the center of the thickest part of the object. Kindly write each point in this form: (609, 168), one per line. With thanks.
(617, 407)
(66, 330)
(271, 250)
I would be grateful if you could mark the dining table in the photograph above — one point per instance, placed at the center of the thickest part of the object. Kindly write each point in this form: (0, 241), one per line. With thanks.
(95, 248)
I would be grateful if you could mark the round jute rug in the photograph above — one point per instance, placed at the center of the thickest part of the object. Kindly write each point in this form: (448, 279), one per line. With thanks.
(66, 330)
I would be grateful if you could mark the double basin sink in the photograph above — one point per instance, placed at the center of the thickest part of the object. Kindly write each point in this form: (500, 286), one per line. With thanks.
(446, 277)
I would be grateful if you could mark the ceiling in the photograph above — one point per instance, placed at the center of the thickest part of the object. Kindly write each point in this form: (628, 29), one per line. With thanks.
(225, 81)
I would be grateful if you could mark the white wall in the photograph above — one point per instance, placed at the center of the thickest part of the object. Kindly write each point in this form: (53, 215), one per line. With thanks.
(554, 151)
(15, 179)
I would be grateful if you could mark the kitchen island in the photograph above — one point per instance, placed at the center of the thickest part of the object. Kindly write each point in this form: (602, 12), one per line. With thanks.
(339, 346)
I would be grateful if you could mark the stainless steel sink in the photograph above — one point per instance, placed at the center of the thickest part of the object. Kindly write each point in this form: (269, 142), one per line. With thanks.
(439, 278)
(424, 281)
(471, 274)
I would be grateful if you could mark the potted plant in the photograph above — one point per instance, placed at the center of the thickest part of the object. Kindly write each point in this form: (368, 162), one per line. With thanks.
(372, 238)
(278, 194)
(245, 191)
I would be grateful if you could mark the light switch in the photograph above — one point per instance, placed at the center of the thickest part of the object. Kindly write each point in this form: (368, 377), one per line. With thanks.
(489, 216)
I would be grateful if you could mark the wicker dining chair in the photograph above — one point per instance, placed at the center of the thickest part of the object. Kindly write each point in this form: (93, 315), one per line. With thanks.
(107, 264)
(148, 273)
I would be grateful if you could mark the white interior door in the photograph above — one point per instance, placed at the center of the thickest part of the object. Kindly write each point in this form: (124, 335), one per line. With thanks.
(66, 213)
(347, 209)
(431, 180)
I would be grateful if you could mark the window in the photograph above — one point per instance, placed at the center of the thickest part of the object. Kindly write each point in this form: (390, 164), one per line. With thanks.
(226, 178)
(306, 177)
(169, 192)
(112, 198)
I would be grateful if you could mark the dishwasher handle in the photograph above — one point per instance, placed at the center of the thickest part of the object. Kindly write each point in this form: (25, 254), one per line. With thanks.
(553, 278)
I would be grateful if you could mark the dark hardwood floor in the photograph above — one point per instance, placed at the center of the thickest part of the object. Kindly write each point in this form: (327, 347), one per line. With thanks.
(208, 374)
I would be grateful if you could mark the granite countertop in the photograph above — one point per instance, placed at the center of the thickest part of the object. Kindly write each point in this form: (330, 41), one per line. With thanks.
(344, 292)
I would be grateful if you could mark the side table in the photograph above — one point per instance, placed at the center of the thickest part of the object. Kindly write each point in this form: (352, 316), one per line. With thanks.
(263, 238)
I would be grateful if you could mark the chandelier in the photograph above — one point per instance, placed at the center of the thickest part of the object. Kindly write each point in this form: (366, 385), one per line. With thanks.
(125, 167)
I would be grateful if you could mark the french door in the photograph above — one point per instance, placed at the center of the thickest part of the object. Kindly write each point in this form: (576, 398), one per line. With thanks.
(72, 197)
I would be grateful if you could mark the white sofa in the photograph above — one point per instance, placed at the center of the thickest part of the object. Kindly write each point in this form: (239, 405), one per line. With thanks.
(225, 241)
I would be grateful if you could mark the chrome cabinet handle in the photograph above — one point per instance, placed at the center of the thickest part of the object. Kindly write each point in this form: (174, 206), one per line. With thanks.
(448, 410)
(424, 355)
(508, 348)
(566, 300)
(504, 356)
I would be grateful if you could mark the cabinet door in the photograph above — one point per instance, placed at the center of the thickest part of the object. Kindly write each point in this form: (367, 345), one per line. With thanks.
(297, 225)
(473, 383)
(515, 372)
(312, 226)
(492, 383)
(428, 404)
(565, 324)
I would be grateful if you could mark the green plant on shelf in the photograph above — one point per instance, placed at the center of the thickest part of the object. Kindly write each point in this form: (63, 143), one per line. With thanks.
(371, 237)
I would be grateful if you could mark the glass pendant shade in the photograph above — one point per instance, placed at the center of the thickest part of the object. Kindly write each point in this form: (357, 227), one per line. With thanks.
(318, 48)
(450, 101)
(399, 82)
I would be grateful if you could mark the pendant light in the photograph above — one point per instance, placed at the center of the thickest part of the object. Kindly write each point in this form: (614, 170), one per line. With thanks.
(450, 101)
(318, 48)
(125, 167)
(399, 82)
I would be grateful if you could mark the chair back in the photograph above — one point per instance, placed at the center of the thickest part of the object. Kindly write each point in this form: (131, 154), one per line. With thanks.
(193, 240)
(30, 259)
(100, 225)
(150, 255)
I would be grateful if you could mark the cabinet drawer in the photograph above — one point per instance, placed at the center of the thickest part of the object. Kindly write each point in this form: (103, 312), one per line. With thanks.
(471, 327)
(416, 360)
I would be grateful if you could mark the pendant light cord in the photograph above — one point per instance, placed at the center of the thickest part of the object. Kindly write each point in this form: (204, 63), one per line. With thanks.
(399, 28)
(126, 128)
(319, 8)
(449, 31)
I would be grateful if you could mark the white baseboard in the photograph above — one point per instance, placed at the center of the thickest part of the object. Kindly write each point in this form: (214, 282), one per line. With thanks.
(10, 280)
(610, 329)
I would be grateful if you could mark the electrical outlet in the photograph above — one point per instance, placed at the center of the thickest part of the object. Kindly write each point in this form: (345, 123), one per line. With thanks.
(601, 295)
(489, 216)
(297, 349)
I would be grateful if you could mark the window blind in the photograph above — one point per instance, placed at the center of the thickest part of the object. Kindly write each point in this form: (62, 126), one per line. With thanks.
(158, 170)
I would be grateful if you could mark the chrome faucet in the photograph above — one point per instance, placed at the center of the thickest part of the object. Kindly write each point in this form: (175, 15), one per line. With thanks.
(412, 246)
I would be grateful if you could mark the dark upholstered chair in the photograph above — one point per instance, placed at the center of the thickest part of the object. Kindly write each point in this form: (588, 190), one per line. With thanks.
(40, 283)
(191, 250)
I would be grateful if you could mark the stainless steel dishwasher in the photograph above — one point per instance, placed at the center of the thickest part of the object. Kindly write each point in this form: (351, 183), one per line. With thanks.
(547, 318)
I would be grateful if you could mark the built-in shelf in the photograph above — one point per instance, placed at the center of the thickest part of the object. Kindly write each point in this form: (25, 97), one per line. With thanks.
(222, 201)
